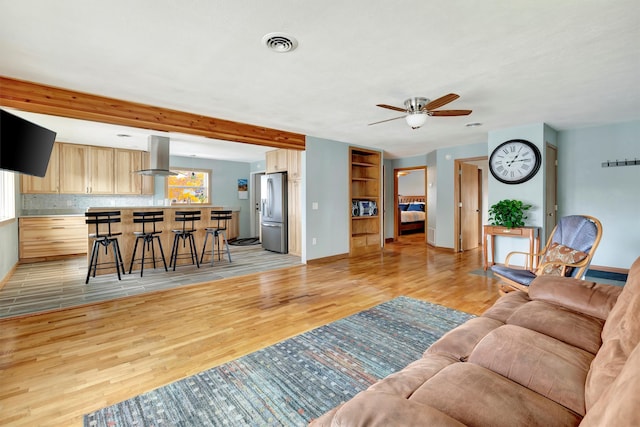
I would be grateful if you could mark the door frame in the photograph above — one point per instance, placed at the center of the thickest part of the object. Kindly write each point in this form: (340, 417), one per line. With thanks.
(396, 219)
(254, 218)
(456, 198)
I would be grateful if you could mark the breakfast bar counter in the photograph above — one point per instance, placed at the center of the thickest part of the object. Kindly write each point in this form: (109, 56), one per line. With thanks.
(127, 239)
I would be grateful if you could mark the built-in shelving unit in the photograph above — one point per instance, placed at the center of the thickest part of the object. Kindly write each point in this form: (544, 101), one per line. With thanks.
(364, 175)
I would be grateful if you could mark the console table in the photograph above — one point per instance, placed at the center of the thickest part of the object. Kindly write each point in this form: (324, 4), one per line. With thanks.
(490, 231)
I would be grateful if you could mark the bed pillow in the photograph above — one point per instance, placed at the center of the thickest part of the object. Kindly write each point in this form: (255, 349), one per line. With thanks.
(403, 206)
(416, 207)
(564, 254)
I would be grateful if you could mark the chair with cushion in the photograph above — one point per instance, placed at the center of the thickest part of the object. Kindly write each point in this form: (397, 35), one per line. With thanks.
(218, 234)
(568, 252)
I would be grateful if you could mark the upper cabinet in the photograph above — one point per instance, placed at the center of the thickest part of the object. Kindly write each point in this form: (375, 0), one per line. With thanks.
(283, 160)
(51, 181)
(84, 169)
(276, 161)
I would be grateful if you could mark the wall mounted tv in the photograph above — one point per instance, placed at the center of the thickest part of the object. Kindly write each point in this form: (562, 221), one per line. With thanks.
(25, 147)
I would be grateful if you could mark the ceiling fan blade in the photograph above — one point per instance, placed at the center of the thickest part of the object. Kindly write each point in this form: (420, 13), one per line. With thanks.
(391, 107)
(442, 113)
(388, 120)
(443, 100)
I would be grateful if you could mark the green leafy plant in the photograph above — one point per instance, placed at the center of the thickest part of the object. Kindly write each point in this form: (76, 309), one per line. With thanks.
(508, 213)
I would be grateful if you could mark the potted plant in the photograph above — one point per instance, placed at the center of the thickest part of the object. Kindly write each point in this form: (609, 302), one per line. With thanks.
(508, 213)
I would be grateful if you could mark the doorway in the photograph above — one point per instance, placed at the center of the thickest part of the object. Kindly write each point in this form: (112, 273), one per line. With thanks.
(410, 203)
(470, 202)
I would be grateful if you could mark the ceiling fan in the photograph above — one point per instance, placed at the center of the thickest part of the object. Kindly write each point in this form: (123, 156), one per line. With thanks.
(418, 109)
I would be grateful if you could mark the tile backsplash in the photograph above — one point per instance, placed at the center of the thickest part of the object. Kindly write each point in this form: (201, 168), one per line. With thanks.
(36, 202)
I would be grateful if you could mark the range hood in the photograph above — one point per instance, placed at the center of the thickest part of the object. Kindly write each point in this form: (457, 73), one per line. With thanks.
(159, 159)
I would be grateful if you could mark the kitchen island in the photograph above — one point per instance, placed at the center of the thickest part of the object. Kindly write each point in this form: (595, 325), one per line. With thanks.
(127, 240)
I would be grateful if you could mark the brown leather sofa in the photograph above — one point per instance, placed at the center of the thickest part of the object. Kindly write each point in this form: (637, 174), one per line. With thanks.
(566, 354)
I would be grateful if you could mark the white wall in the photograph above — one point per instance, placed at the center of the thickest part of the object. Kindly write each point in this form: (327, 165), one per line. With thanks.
(610, 194)
(531, 192)
(411, 184)
(9, 238)
(327, 184)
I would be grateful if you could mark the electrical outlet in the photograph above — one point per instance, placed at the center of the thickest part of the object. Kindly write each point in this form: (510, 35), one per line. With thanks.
(314, 241)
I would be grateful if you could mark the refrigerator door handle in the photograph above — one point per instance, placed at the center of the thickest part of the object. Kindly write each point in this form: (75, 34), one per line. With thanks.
(270, 193)
(264, 224)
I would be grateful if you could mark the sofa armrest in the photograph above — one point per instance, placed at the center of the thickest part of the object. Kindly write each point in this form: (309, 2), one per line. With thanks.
(591, 298)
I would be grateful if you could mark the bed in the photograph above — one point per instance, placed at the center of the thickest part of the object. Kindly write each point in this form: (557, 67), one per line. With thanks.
(412, 214)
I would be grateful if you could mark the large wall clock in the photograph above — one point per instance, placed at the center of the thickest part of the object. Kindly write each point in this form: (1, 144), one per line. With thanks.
(515, 161)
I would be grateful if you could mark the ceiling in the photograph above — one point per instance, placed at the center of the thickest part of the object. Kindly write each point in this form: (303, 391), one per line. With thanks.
(569, 63)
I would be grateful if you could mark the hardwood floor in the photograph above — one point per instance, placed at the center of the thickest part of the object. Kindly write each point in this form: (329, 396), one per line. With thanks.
(57, 366)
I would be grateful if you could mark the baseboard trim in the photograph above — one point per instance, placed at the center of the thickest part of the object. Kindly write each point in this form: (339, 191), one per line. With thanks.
(609, 269)
(6, 278)
(327, 259)
(50, 258)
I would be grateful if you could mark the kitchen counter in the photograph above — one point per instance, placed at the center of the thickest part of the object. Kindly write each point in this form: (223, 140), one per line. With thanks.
(32, 213)
(127, 239)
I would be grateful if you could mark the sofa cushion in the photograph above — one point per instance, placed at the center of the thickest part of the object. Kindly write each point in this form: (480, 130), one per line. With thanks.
(375, 409)
(620, 403)
(506, 305)
(560, 323)
(620, 336)
(405, 382)
(593, 299)
(550, 367)
(477, 396)
(460, 342)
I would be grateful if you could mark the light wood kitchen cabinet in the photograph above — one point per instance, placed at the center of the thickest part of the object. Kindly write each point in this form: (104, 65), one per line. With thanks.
(51, 181)
(148, 181)
(86, 169)
(294, 165)
(294, 217)
(126, 163)
(276, 161)
(51, 236)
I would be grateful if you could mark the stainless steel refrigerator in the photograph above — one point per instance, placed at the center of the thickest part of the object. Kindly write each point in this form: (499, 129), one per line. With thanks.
(273, 212)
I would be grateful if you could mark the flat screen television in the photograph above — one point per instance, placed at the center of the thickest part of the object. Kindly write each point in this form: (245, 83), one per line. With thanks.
(25, 147)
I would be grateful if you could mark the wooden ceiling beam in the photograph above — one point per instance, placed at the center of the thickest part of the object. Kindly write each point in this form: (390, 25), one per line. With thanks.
(43, 99)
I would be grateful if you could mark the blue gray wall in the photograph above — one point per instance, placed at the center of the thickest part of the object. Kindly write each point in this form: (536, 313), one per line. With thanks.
(610, 194)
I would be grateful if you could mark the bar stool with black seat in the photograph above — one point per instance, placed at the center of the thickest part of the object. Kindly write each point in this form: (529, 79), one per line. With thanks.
(147, 237)
(184, 234)
(105, 237)
(220, 218)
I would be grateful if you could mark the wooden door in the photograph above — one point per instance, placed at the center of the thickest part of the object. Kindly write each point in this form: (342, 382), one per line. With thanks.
(50, 182)
(551, 190)
(73, 169)
(469, 208)
(101, 170)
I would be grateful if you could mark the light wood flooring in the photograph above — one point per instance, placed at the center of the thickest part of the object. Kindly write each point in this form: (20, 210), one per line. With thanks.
(57, 366)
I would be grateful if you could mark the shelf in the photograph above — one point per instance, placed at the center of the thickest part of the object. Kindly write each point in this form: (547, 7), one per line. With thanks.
(365, 178)
(364, 197)
(365, 217)
(364, 234)
(366, 165)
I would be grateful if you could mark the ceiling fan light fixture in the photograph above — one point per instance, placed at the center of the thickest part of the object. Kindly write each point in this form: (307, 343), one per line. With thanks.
(415, 120)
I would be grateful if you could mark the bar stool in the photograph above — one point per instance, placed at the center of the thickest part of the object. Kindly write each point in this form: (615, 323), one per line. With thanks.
(106, 238)
(185, 234)
(220, 217)
(147, 237)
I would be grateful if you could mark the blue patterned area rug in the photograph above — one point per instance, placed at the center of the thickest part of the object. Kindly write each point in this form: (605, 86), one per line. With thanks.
(296, 380)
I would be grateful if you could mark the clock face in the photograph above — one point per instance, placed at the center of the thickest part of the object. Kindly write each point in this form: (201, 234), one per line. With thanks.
(515, 161)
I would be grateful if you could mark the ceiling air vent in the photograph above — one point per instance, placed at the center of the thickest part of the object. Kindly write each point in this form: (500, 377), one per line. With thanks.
(280, 42)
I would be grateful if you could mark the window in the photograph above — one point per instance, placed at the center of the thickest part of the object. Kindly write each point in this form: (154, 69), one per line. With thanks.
(189, 186)
(7, 195)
